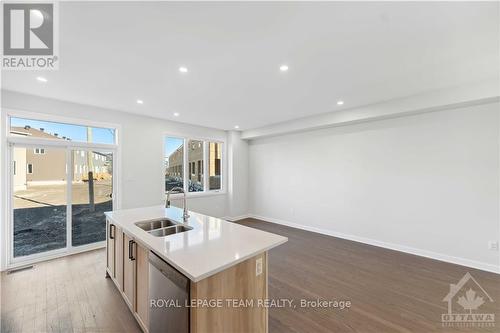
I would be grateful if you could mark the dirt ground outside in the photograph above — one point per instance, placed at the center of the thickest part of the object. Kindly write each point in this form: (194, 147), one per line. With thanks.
(55, 195)
(40, 216)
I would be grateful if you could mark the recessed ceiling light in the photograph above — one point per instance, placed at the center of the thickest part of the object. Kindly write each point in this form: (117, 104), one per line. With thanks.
(183, 69)
(41, 79)
(176, 114)
(283, 68)
(236, 126)
(140, 101)
(340, 102)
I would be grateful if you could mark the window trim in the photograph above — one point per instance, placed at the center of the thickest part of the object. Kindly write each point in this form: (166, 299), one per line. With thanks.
(205, 140)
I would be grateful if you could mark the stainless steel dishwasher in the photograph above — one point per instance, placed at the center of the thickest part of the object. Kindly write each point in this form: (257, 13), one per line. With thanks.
(169, 291)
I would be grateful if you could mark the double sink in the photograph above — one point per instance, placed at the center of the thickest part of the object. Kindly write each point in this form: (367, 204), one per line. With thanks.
(162, 227)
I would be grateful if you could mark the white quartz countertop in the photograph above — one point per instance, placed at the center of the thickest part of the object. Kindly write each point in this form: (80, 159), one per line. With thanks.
(212, 246)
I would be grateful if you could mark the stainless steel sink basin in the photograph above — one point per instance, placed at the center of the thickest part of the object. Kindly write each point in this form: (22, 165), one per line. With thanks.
(170, 230)
(156, 224)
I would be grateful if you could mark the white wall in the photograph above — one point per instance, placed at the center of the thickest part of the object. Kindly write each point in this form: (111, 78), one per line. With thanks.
(427, 183)
(237, 199)
(142, 168)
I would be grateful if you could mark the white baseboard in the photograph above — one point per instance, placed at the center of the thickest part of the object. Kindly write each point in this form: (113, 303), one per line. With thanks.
(236, 218)
(397, 247)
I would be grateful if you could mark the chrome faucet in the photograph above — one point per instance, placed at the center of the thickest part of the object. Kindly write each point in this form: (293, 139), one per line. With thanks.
(174, 190)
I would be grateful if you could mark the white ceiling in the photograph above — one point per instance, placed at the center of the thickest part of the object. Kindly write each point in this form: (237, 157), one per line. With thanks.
(112, 54)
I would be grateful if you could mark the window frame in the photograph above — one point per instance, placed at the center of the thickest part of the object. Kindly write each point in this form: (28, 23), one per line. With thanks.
(206, 191)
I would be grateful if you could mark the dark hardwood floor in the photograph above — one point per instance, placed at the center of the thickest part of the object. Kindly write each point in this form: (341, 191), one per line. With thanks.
(389, 291)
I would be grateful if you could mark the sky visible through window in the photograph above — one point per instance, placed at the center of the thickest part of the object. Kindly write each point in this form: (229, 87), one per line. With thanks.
(74, 132)
(171, 145)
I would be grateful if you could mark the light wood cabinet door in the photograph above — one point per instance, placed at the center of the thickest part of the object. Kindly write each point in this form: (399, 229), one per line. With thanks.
(110, 247)
(118, 257)
(129, 261)
(142, 285)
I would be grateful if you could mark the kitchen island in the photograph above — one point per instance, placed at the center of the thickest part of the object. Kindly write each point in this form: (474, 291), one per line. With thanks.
(215, 271)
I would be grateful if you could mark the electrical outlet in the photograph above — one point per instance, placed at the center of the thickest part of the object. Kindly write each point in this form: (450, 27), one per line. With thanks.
(493, 245)
(258, 267)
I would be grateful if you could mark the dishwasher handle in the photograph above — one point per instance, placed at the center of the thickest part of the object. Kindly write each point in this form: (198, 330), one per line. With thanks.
(168, 271)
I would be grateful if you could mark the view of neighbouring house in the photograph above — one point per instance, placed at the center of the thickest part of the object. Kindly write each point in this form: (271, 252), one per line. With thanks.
(175, 166)
(48, 166)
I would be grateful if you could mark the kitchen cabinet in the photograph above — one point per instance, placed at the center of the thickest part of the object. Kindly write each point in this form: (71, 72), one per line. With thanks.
(114, 262)
(118, 258)
(128, 266)
(129, 274)
(110, 247)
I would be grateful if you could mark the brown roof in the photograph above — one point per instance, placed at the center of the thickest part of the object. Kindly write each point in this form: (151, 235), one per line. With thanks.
(37, 133)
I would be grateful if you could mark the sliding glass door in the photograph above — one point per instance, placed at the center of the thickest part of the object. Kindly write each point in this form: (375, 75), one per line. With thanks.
(59, 196)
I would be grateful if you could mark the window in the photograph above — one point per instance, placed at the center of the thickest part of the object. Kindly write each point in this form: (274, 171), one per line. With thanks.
(203, 171)
(60, 131)
(174, 163)
(30, 169)
(214, 166)
(39, 151)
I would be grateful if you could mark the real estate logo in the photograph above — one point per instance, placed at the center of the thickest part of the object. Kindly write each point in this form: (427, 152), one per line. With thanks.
(464, 301)
(30, 38)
